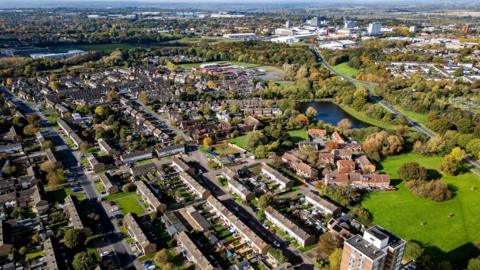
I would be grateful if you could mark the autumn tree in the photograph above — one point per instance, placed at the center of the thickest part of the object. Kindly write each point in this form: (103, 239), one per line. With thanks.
(335, 259)
(327, 244)
(265, 200)
(412, 171)
(345, 124)
(452, 162)
(311, 112)
(382, 144)
(84, 261)
(207, 141)
(143, 97)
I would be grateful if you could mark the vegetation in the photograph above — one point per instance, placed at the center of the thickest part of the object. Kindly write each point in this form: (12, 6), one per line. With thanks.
(413, 215)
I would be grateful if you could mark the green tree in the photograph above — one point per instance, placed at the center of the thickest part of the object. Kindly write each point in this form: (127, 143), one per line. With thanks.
(412, 171)
(161, 257)
(84, 261)
(413, 251)
(143, 97)
(265, 200)
(74, 238)
(327, 244)
(335, 259)
(474, 264)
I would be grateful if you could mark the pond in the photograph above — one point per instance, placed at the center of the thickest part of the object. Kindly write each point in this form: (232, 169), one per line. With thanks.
(330, 113)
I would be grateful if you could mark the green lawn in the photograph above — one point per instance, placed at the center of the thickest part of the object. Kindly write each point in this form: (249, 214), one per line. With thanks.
(128, 202)
(241, 141)
(421, 118)
(427, 221)
(365, 118)
(298, 135)
(346, 70)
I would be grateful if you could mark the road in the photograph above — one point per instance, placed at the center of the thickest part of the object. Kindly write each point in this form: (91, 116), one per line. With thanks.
(113, 239)
(387, 105)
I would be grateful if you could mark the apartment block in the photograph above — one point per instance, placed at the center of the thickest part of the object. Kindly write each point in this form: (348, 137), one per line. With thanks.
(281, 180)
(193, 253)
(150, 198)
(377, 249)
(194, 185)
(136, 232)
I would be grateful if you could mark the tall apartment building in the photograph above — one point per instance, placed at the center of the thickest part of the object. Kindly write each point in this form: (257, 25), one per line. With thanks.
(377, 249)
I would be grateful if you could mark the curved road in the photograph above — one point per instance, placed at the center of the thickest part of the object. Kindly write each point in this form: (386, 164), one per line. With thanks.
(386, 105)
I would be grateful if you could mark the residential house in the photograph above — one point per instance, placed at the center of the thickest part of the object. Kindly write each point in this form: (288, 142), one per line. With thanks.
(283, 182)
(181, 166)
(251, 238)
(345, 166)
(285, 224)
(95, 165)
(300, 167)
(72, 210)
(170, 150)
(194, 185)
(135, 231)
(150, 198)
(192, 252)
(105, 147)
(376, 181)
(110, 187)
(136, 156)
(365, 164)
(321, 204)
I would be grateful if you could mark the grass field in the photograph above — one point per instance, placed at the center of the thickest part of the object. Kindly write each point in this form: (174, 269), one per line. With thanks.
(241, 141)
(418, 117)
(128, 202)
(298, 135)
(365, 118)
(427, 221)
(346, 70)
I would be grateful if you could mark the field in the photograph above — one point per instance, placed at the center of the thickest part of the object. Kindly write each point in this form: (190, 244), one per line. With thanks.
(447, 228)
(298, 135)
(241, 141)
(346, 70)
(128, 202)
(417, 117)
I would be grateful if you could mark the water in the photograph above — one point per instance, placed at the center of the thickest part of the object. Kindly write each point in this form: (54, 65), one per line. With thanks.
(330, 113)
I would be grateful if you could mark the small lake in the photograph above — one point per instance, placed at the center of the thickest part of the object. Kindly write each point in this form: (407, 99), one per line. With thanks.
(330, 113)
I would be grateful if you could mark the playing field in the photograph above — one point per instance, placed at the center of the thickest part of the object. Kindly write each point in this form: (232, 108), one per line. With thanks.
(449, 226)
(346, 70)
(128, 202)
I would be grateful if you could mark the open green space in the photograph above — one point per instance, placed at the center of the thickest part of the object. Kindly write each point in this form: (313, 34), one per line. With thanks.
(365, 118)
(298, 135)
(346, 70)
(128, 202)
(421, 118)
(241, 141)
(449, 228)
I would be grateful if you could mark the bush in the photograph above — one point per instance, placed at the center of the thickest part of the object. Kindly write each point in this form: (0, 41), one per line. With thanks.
(129, 187)
(412, 171)
(435, 190)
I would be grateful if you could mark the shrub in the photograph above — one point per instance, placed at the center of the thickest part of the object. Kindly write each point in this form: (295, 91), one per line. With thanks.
(435, 190)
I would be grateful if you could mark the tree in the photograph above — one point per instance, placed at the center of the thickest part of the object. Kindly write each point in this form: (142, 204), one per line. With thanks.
(111, 95)
(362, 215)
(413, 251)
(345, 124)
(74, 238)
(383, 144)
(84, 261)
(211, 85)
(412, 171)
(311, 112)
(474, 264)
(143, 97)
(48, 166)
(30, 130)
(161, 257)
(261, 151)
(327, 244)
(335, 259)
(452, 162)
(277, 254)
(100, 111)
(265, 200)
(207, 141)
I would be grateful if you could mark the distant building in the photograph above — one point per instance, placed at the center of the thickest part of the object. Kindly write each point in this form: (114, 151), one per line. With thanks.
(241, 36)
(374, 29)
(56, 56)
(288, 24)
(348, 24)
(378, 249)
